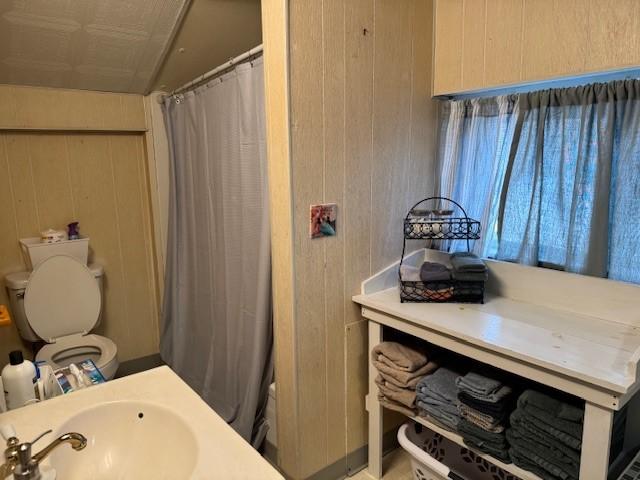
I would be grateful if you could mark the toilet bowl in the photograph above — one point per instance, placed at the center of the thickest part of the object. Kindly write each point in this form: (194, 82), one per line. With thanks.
(60, 302)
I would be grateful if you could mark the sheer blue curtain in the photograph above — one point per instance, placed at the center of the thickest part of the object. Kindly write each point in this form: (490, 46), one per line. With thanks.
(474, 143)
(554, 176)
(571, 189)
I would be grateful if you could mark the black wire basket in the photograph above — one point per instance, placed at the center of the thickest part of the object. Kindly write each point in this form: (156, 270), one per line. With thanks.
(435, 225)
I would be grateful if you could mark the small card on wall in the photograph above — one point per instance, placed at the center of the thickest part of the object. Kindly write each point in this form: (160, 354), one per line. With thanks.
(323, 220)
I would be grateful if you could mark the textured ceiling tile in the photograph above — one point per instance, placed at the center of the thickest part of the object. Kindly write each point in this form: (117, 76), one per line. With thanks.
(112, 45)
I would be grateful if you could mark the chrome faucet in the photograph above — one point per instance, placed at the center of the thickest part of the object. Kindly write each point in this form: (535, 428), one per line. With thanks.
(23, 466)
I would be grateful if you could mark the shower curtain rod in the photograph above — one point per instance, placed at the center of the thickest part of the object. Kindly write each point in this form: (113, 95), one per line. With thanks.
(216, 71)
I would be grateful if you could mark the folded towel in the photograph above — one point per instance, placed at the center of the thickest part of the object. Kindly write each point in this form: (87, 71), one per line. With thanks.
(482, 420)
(528, 463)
(492, 443)
(440, 385)
(444, 418)
(434, 272)
(483, 387)
(467, 262)
(401, 357)
(557, 463)
(403, 396)
(521, 423)
(547, 419)
(495, 409)
(470, 276)
(409, 273)
(398, 407)
(439, 404)
(552, 406)
(401, 378)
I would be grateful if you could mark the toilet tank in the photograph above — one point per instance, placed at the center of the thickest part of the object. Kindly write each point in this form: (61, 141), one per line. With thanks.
(16, 284)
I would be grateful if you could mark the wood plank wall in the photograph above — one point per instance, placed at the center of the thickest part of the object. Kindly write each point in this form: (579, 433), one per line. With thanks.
(361, 133)
(61, 173)
(490, 43)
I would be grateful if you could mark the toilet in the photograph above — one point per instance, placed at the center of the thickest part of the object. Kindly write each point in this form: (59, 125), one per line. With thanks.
(60, 302)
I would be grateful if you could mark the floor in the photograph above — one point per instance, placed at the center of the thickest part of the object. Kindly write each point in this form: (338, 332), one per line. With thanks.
(396, 467)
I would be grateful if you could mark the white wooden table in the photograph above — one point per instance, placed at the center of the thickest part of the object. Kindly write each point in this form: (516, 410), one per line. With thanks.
(578, 334)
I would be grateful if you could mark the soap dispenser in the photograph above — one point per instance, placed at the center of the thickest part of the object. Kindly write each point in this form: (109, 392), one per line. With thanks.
(18, 378)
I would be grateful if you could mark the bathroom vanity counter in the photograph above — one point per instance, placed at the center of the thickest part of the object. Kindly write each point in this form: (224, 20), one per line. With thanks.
(218, 451)
(577, 334)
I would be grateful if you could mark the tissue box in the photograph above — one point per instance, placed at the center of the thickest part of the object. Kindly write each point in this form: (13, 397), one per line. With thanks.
(67, 381)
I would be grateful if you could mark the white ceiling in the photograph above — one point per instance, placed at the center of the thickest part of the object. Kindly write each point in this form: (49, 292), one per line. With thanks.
(109, 45)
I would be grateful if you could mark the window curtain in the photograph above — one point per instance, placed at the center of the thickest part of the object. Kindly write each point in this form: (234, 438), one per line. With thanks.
(216, 322)
(571, 194)
(474, 142)
(554, 176)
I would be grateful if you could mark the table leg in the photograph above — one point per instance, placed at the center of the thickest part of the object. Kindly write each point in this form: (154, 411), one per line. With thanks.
(596, 440)
(374, 408)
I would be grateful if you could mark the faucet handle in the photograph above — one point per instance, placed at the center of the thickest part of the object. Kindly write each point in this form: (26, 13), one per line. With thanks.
(8, 432)
(40, 436)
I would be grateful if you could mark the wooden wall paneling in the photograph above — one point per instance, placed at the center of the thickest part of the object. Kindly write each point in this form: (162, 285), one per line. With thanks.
(503, 48)
(613, 39)
(48, 155)
(9, 251)
(20, 174)
(333, 39)
(360, 31)
(38, 108)
(307, 178)
(391, 128)
(357, 385)
(93, 190)
(276, 60)
(555, 38)
(132, 208)
(448, 46)
(424, 110)
(473, 46)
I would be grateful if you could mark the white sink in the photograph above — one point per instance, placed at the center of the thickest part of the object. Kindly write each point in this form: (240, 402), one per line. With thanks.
(178, 436)
(127, 439)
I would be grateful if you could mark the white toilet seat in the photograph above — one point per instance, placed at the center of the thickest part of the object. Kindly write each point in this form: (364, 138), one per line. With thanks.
(107, 361)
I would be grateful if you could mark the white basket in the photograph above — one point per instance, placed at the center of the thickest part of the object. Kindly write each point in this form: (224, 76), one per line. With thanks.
(423, 465)
(35, 251)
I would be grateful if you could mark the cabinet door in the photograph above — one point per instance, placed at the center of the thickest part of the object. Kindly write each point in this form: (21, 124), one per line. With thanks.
(448, 46)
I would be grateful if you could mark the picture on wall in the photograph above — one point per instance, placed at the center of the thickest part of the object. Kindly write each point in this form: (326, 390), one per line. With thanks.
(323, 220)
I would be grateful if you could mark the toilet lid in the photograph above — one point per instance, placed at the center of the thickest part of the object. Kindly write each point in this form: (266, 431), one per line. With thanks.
(62, 298)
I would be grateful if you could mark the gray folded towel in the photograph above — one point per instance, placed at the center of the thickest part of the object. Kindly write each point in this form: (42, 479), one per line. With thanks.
(470, 276)
(523, 424)
(447, 419)
(555, 461)
(492, 443)
(552, 406)
(482, 387)
(532, 463)
(409, 273)
(438, 403)
(530, 403)
(467, 262)
(434, 272)
(441, 384)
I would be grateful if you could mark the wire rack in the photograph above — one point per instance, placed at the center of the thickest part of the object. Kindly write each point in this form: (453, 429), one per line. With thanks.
(430, 226)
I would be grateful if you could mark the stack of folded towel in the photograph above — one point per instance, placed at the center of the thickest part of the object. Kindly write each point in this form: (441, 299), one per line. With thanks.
(400, 368)
(437, 397)
(546, 436)
(484, 406)
(467, 267)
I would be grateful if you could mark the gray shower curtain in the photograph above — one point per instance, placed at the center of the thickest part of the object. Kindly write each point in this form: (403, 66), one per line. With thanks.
(216, 322)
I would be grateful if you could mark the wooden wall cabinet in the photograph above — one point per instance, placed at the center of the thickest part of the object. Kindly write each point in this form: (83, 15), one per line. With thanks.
(481, 44)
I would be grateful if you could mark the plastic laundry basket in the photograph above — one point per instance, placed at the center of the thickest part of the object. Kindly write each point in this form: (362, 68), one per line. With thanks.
(434, 457)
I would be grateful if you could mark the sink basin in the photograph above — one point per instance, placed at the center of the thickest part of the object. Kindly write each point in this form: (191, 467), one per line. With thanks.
(127, 440)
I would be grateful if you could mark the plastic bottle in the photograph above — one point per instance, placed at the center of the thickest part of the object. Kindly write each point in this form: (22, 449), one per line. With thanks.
(17, 379)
